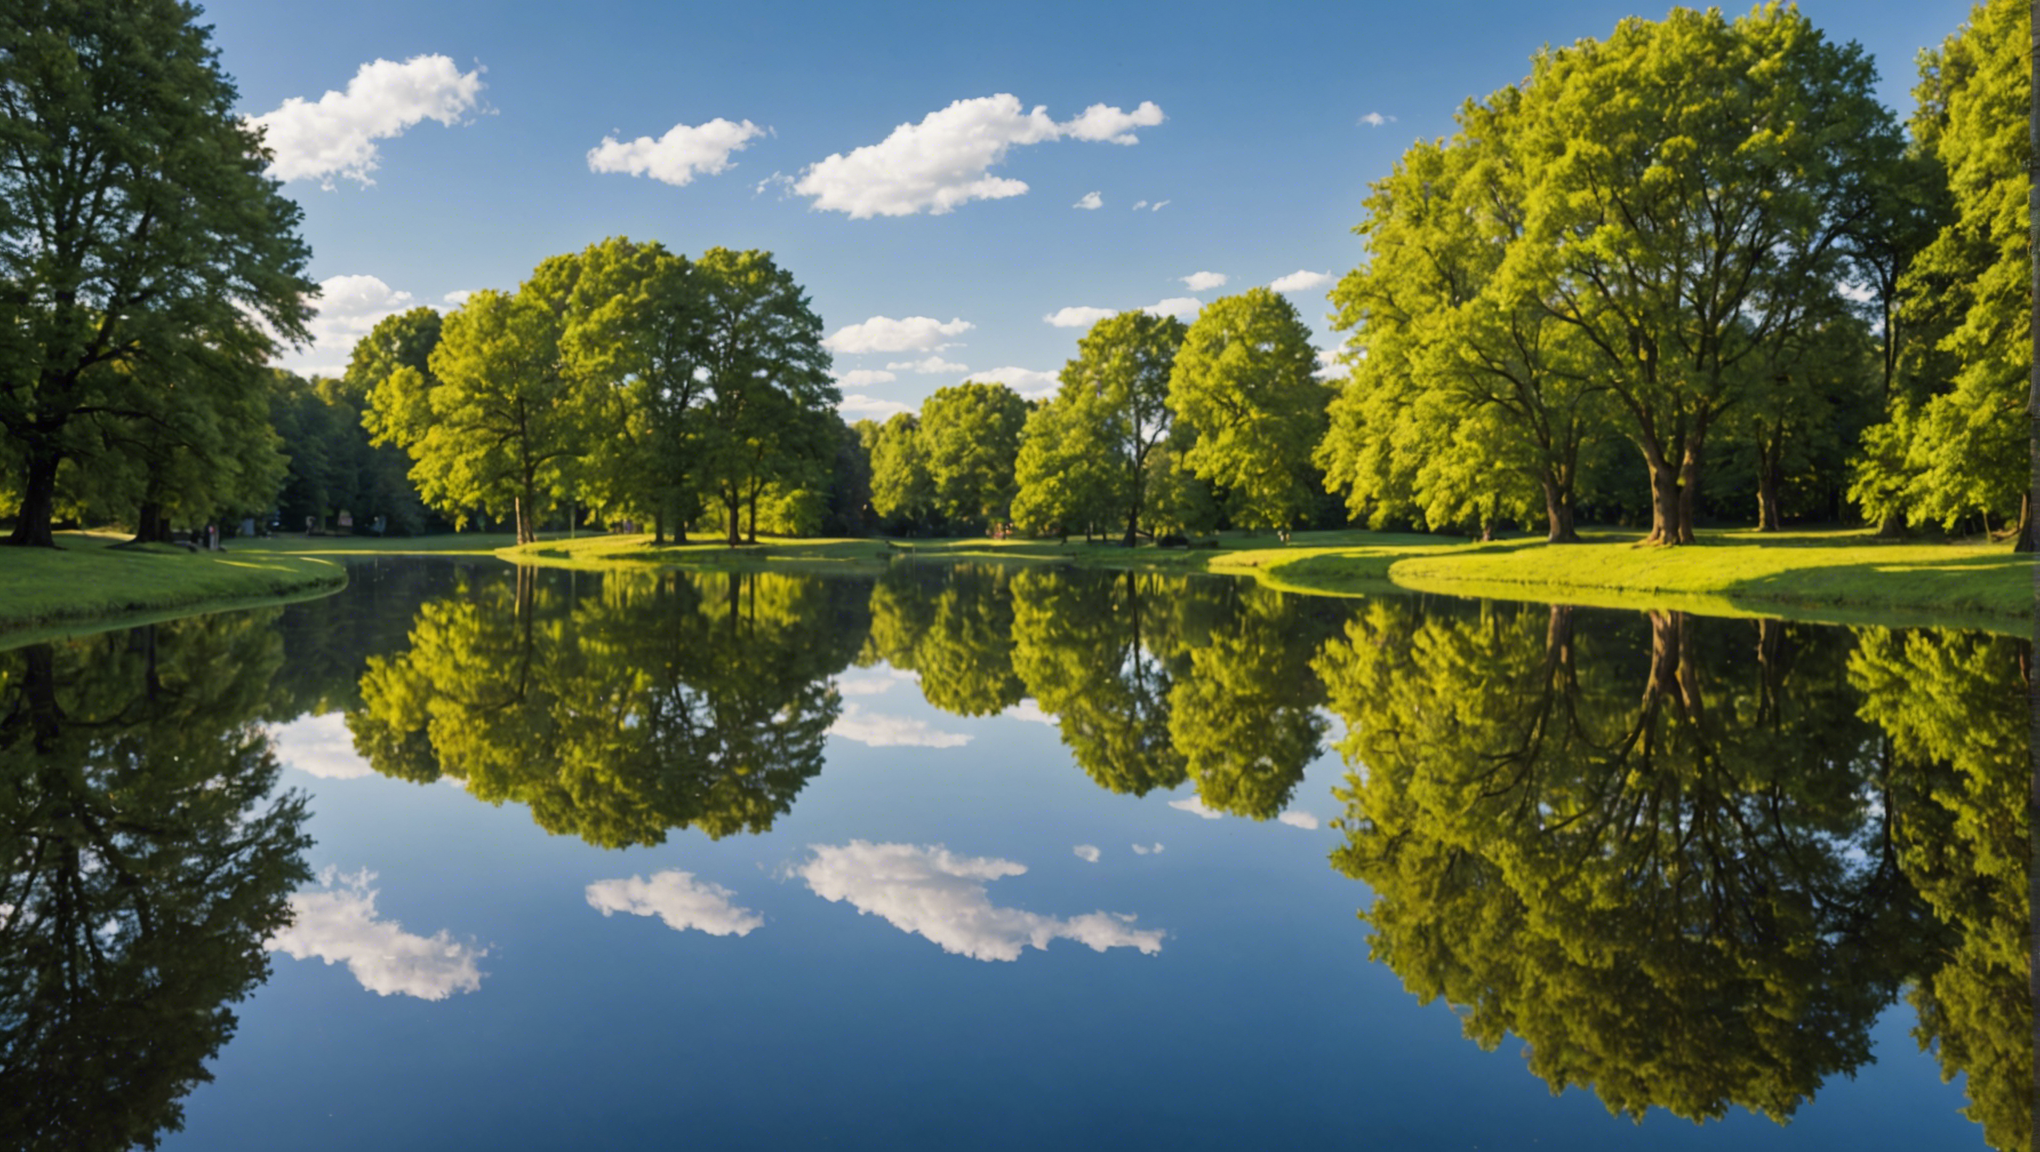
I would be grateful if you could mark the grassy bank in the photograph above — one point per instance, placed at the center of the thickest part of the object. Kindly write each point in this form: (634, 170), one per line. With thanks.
(83, 584)
(1828, 576)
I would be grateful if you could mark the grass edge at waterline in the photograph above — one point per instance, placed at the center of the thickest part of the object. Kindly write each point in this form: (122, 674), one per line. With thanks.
(83, 585)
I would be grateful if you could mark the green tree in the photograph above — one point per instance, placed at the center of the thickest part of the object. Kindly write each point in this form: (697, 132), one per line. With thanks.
(1681, 215)
(1466, 400)
(970, 436)
(769, 389)
(500, 420)
(134, 220)
(1956, 445)
(902, 491)
(1062, 471)
(383, 487)
(1244, 381)
(1117, 388)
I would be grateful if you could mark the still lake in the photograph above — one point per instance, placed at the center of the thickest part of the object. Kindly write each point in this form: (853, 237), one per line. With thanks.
(474, 856)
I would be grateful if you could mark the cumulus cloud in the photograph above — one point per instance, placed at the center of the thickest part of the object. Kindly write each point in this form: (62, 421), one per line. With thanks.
(336, 135)
(864, 378)
(1090, 202)
(1298, 818)
(1077, 316)
(1027, 382)
(879, 730)
(1376, 120)
(458, 296)
(873, 685)
(1110, 125)
(678, 156)
(1158, 205)
(348, 307)
(857, 406)
(1088, 853)
(1146, 849)
(677, 898)
(1204, 281)
(885, 334)
(1196, 807)
(321, 746)
(1175, 306)
(928, 365)
(933, 893)
(336, 922)
(946, 159)
(1028, 710)
(1301, 280)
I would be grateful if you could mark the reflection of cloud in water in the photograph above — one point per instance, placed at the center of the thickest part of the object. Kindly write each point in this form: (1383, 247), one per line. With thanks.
(1029, 711)
(880, 730)
(930, 892)
(321, 746)
(1196, 807)
(677, 898)
(1146, 850)
(873, 684)
(1298, 818)
(1088, 853)
(337, 923)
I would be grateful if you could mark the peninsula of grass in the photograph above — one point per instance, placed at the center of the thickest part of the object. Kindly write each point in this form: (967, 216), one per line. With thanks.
(1832, 576)
(85, 584)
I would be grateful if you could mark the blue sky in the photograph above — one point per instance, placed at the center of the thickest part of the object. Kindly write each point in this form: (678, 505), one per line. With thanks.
(947, 247)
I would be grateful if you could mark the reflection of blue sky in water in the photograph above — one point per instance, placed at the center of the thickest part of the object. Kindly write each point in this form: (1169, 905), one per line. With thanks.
(319, 745)
(337, 922)
(937, 894)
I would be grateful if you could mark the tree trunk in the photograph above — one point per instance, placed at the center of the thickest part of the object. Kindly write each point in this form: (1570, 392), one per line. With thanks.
(2025, 530)
(1689, 482)
(1770, 478)
(38, 501)
(1558, 512)
(734, 506)
(151, 526)
(751, 532)
(658, 528)
(1664, 499)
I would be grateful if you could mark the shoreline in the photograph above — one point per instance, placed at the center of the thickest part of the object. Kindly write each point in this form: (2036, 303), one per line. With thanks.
(84, 586)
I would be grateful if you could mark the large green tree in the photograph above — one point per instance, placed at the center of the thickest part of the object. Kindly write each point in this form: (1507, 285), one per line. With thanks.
(1689, 184)
(1116, 394)
(134, 219)
(1244, 380)
(970, 436)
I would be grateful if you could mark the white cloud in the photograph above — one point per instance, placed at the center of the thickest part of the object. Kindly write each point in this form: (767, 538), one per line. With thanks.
(857, 406)
(348, 307)
(1298, 818)
(1330, 363)
(928, 365)
(458, 296)
(874, 685)
(879, 730)
(677, 898)
(1112, 126)
(1030, 711)
(336, 922)
(1146, 850)
(336, 136)
(1090, 202)
(1204, 281)
(1196, 807)
(865, 378)
(1088, 853)
(885, 334)
(1376, 120)
(1031, 385)
(1158, 205)
(1077, 316)
(1175, 306)
(1139, 204)
(320, 746)
(932, 893)
(946, 159)
(678, 156)
(1301, 280)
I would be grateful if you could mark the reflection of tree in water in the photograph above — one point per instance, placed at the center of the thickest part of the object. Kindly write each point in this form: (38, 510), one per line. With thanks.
(142, 865)
(1673, 881)
(952, 624)
(1953, 707)
(651, 702)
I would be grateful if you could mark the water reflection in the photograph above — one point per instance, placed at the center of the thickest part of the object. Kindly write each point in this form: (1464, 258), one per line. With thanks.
(143, 862)
(1685, 862)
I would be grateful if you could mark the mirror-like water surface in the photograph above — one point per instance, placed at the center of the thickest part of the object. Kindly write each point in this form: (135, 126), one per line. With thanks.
(1007, 858)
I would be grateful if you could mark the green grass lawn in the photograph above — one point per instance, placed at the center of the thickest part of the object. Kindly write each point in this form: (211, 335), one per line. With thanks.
(84, 584)
(1832, 576)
